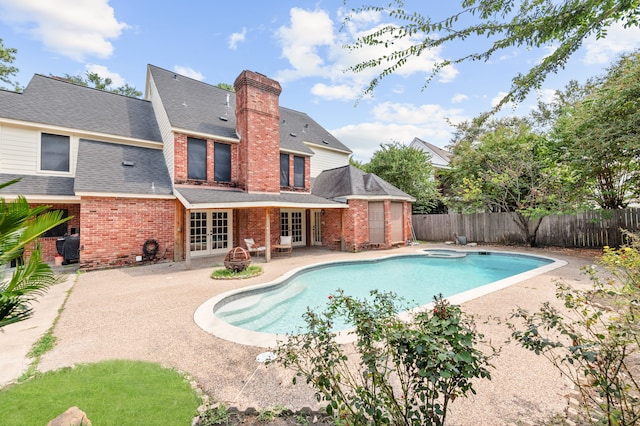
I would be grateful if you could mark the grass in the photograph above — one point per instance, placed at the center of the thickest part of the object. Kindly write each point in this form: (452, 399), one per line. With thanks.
(226, 274)
(110, 393)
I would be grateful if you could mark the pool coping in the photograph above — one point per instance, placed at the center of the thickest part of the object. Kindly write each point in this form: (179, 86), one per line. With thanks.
(205, 319)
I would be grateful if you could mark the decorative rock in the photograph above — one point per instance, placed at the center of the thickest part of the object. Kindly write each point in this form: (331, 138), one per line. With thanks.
(72, 417)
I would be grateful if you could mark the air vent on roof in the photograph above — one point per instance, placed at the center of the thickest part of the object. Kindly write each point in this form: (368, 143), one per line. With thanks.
(128, 163)
(325, 142)
(223, 118)
(293, 134)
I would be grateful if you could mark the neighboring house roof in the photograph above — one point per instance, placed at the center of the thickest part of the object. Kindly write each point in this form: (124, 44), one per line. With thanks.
(351, 182)
(54, 102)
(212, 198)
(192, 105)
(439, 157)
(38, 185)
(105, 167)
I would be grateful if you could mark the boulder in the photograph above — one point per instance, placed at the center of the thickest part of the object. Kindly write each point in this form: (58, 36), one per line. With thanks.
(72, 417)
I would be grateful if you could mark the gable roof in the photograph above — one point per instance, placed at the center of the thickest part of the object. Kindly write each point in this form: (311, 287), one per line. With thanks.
(105, 167)
(54, 102)
(439, 157)
(351, 182)
(195, 106)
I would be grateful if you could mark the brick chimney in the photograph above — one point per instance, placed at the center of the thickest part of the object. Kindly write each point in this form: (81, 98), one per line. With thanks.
(258, 124)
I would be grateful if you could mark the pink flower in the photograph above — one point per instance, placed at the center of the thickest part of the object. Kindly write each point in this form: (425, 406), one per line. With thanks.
(330, 297)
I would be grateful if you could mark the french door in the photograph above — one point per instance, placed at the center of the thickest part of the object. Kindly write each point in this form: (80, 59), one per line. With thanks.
(210, 232)
(316, 227)
(292, 223)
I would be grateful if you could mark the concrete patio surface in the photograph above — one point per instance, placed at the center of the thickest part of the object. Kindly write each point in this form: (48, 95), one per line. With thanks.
(146, 313)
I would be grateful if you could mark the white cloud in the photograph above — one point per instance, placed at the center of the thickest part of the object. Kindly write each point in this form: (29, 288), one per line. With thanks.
(459, 98)
(301, 41)
(619, 40)
(314, 49)
(189, 72)
(395, 122)
(104, 72)
(237, 38)
(68, 27)
(341, 92)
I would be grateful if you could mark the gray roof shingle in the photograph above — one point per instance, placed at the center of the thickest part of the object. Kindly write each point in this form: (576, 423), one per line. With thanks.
(37, 185)
(210, 196)
(196, 106)
(54, 102)
(108, 167)
(349, 181)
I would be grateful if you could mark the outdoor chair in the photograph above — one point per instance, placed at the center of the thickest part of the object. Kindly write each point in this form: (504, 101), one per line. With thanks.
(285, 246)
(253, 249)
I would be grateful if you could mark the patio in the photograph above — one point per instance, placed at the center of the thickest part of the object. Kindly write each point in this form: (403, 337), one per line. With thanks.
(146, 313)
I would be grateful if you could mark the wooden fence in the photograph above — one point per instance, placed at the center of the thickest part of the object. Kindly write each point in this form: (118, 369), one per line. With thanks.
(589, 229)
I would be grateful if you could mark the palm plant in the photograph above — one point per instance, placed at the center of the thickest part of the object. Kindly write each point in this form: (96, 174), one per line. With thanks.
(20, 226)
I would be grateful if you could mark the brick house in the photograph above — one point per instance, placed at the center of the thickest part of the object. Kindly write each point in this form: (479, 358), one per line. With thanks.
(191, 167)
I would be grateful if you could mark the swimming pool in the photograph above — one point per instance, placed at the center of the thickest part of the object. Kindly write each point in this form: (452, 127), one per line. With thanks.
(262, 313)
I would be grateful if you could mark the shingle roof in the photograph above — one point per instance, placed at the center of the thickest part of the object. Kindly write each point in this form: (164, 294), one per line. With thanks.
(442, 153)
(350, 181)
(108, 167)
(55, 102)
(196, 106)
(37, 185)
(213, 197)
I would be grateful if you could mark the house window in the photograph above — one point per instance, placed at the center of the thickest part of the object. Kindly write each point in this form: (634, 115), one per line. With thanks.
(298, 172)
(196, 159)
(222, 162)
(54, 152)
(284, 169)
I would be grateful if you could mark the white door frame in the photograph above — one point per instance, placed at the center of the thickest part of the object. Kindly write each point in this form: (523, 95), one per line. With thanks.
(211, 238)
(316, 227)
(294, 224)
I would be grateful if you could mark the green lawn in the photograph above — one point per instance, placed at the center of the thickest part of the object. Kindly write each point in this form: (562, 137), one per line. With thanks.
(110, 392)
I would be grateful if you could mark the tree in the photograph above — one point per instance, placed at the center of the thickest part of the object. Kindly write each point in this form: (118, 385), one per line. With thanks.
(503, 166)
(409, 170)
(226, 86)
(561, 26)
(7, 56)
(599, 134)
(94, 80)
(20, 227)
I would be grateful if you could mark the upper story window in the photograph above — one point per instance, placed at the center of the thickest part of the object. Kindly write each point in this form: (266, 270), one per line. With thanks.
(196, 159)
(222, 162)
(284, 169)
(54, 152)
(298, 172)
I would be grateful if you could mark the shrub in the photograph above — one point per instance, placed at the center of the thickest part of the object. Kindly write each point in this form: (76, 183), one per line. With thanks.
(403, 373)
(595, 341)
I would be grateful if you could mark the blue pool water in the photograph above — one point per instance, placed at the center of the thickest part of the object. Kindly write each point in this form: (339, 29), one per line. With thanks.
(279, 309)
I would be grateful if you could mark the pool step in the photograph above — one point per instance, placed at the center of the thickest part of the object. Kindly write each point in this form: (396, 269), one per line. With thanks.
(249, 308)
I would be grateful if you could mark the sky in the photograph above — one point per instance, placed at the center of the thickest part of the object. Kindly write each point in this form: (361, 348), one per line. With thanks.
(298, 43)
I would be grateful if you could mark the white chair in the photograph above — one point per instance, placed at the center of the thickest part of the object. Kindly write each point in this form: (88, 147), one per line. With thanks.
(285, 246)
(253, 249)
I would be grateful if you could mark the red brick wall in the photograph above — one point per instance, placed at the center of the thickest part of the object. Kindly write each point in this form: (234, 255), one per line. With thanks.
(180, 167)
(48, 244)
(332, 228)
(258, 124)
(307, 175)
(356, 225)
(114, 230)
